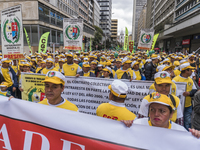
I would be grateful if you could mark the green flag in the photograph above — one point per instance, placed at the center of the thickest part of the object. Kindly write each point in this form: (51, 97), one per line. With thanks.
(126, 40)
(28, 41)
(43, 43)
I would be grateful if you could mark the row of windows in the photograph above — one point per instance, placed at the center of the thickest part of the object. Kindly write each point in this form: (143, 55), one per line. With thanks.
(83, 13)
(83, 5)
(187, 7)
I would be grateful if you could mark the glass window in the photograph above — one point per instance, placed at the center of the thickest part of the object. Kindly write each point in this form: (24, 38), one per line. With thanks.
(34, 36)
(53, 35)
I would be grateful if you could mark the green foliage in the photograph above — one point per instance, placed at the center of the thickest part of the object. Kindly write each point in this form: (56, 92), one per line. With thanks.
(97, 38)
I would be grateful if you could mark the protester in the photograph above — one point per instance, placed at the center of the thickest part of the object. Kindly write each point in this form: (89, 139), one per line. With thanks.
(70, 68)
(9, 75)
(49, 66)
(160, 111)
(150, 68)
(116, 109)
(54, 86)
(107, 73)
(86, 71)
(125, 72)
(162, 84)
(186, 71)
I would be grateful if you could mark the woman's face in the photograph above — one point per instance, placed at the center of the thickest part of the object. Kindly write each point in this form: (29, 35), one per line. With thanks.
(159, 115)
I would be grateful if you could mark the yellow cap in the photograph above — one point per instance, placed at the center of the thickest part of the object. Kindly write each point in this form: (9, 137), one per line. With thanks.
(55, 77)
(161, 99)
(86, 64)
(162, 77)
(4, 84)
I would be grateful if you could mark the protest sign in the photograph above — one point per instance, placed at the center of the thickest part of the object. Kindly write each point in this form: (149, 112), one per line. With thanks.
(26, 125)
(88, 93)
(73, 33)
(146, 39)
(12, 33)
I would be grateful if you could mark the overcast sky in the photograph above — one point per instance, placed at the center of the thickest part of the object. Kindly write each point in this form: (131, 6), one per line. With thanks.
(123, 10)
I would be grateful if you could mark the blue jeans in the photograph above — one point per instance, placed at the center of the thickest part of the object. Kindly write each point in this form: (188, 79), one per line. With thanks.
(187, 117)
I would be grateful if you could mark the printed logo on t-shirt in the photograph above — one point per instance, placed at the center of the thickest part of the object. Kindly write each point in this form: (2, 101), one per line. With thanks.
(173, 89)
(189, 83)
(113, 117)
(72, 69)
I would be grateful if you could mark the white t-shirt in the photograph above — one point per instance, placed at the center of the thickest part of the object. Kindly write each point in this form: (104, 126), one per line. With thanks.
(174, 126)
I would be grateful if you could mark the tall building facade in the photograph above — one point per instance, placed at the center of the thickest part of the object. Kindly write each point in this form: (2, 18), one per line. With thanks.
(40, 16)
(178, 23)
(142, 21)
(139, 8)
(114, 29)
(106, 13)
(96, 14)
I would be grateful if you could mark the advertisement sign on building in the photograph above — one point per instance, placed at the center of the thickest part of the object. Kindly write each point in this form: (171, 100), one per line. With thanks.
(186, 42)
(73, 33)
(146, 39)
(12, 33)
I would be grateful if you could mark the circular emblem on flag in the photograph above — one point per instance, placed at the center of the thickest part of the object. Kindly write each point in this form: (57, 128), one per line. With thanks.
(72, 69)
(72, 32)
(11, 30)
(156, 96)
(146, 38)
(189, 83)
(51, 74)
(163, 75)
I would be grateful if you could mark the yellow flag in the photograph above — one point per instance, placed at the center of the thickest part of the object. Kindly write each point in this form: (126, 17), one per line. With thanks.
(155, 37)
(43, 43)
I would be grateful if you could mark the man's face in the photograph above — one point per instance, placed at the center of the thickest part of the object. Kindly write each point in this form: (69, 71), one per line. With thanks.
(56, 60)
(189, 72)
(43, 65)
(136, 67)
(163, 88)
(61, 64)
(5, 65)
(159, 115)
(69, 60)
(127, 65)
(93, 66)
(86, 69)
(191, 58)
(26, 68)
(105, 73)
(49, 64)
(53, 91)
(118, 64)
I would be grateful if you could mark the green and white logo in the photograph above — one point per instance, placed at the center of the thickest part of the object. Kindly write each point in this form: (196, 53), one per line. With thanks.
(72, 32)
(146, 38)
(11, 31)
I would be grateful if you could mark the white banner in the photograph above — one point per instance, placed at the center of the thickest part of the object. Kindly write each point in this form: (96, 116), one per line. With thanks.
(146, 39)
(12, 33)
(89, 93)
(25, 125)
(73, 33)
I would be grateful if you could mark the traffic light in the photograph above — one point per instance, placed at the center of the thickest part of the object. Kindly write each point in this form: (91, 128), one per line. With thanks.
(83, 40)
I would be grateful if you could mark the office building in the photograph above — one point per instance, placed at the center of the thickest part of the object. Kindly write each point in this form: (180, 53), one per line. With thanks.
(106, 13)
(40, 16)
(114, 29)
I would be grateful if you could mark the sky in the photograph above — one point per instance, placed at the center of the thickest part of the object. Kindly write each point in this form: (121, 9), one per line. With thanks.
(123, 10)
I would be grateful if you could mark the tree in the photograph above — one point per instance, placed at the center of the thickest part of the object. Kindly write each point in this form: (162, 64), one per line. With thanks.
(97, 38)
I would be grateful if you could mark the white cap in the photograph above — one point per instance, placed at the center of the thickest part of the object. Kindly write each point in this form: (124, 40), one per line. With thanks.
(118, 88)
(183, 61)
(185, 66)
(99, 65)
(49, 60)
(133, 63)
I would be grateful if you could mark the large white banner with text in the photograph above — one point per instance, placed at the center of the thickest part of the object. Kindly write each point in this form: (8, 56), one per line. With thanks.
(31, 126)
